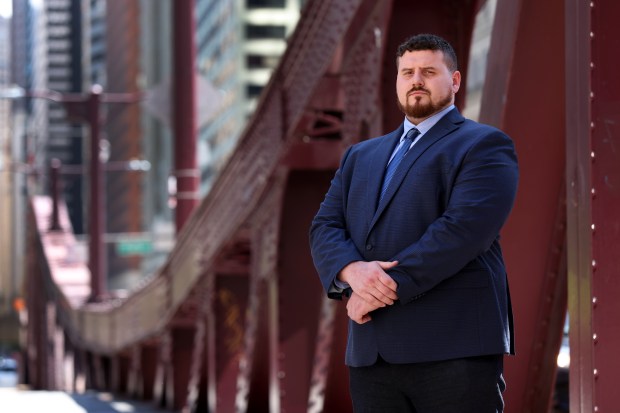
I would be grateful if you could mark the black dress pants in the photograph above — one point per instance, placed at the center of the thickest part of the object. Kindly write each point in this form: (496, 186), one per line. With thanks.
(466, 385)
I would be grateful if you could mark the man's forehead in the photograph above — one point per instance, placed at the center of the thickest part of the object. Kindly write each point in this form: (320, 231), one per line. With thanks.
(423, 58)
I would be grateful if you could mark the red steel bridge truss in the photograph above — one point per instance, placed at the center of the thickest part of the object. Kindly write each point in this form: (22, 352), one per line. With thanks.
(236, 319)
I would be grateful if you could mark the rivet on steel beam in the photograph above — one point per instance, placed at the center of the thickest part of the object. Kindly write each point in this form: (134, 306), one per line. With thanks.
(596, 408)
(591, 65)
(593, 264)
(593, 227)
(594, 301)
(592, 155)
(591, 34)
(591, 95)
(595, 373)
(591, 125)
(377, 32)
(593, 192)
(591, 4)
(595, 338)
(281, 374)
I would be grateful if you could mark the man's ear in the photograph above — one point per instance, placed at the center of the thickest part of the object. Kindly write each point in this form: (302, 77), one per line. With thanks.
(456, 81)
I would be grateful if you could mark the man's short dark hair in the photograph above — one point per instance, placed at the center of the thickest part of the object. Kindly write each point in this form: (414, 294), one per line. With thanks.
(429, 42)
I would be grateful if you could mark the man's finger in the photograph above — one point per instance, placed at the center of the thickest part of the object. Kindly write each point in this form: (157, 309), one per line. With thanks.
(386, 279)
(375, 301)
(387, 291)
(386, 265)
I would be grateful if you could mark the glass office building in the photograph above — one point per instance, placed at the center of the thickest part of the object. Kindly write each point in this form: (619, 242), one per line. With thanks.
(239, 44)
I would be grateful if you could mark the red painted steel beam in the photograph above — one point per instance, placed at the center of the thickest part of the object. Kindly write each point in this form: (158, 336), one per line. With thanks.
(579, 204)
(524, 95)
(593, 179)
(97, 262)
(184, 104)
(148, 370)
(253, 380)
(299, 292)
(226, 339)
(181, 361)
(120, 373)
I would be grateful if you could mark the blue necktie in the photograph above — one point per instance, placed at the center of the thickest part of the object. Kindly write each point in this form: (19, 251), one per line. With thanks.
(400, 154)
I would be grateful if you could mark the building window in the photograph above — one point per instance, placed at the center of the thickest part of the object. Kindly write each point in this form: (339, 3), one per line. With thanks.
(253, 31)
(255, 4)
(254, 90)
(255, 61)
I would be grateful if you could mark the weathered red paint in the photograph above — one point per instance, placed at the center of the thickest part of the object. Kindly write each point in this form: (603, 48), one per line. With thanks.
(184, 104)
(528, 103)
(592, 178)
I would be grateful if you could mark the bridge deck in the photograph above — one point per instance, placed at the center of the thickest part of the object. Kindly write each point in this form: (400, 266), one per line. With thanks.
(24, 401)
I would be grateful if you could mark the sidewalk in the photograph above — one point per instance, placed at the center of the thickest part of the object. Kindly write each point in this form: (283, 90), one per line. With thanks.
(14, 400)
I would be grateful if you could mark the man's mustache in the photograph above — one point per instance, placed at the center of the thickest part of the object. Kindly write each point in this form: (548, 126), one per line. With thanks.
(418, 89)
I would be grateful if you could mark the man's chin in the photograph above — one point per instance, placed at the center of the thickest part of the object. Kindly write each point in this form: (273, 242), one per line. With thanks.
(419, 111)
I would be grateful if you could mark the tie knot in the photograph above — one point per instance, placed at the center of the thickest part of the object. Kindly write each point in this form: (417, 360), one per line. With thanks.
(412, 134)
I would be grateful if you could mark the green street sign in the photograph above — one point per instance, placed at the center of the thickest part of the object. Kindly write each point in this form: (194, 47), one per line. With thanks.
(134, 247)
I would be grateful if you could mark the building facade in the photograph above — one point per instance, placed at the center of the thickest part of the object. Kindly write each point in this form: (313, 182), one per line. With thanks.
(239, 45)
(9, 289)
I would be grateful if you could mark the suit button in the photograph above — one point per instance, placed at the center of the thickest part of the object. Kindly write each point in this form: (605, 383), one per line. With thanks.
(368, 247)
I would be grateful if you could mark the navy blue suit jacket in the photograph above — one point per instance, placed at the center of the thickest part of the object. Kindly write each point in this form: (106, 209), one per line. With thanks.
(440, 219)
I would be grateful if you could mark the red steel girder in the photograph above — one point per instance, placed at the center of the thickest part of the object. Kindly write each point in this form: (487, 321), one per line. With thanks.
(524, 95)
(593, 182)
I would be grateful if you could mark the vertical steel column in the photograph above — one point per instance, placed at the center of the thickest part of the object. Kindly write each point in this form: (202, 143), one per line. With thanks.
(528, 103)
(578, 183)
(148, 354)
(297, 314)
(181, 362)
(184, 104)
(230, 304)
(96, 256)
(55, 165)
(593, 179)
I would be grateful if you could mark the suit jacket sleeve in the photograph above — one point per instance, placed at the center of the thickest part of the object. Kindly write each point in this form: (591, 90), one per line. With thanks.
(479, 203)
(331, 246)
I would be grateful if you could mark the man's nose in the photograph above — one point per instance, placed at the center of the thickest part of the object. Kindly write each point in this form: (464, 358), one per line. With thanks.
(417, 79)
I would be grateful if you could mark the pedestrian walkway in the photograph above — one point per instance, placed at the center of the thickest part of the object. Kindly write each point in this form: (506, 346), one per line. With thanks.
(14, 400)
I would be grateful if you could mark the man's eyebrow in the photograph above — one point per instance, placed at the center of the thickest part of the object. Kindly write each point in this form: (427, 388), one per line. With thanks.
(407, 68)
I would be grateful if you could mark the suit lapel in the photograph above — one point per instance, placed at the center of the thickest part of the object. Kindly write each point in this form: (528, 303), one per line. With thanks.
(380, 156)
(442, 128)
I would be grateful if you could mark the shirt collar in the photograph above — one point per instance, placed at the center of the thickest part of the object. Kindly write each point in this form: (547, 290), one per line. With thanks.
(426, 124)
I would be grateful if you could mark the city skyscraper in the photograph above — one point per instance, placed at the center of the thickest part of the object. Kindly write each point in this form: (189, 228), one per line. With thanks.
(239, 45)
(8, 282)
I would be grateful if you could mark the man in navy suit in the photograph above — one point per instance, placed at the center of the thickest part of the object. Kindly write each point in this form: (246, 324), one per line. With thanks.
(409, 232)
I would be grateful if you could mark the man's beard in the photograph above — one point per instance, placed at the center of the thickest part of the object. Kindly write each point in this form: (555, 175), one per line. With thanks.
(422, 111)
